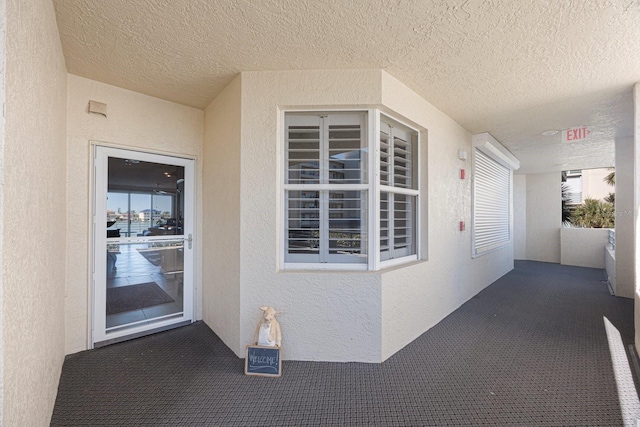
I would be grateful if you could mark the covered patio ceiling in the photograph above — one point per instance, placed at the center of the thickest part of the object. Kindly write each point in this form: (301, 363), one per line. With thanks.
(514, 69)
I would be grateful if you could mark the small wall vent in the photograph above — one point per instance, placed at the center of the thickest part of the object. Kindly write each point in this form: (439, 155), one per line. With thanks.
(96, 107)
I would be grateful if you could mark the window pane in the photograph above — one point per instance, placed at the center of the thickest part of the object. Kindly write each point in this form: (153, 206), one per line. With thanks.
(345, 154)
(144, 198)
(303, 222)
(399, 239)
(398, 149)
(303, 154)
(326, 224)
(385, 252)
(345, 216)
(385, 154)
(347, 220)
(403, 224)
(398, 169)
(402, 160)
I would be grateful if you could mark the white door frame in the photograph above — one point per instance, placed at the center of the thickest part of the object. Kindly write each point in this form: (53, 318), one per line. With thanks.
(100, 156)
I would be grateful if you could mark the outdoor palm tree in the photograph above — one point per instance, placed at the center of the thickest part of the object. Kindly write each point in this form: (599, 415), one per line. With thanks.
(611, 178)
(594, 213)
(611, 198)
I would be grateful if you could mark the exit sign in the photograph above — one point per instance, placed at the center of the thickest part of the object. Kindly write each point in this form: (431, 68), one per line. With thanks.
(575, 134)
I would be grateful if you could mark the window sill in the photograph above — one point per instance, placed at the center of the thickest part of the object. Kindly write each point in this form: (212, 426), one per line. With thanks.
(385, 266)
(323, 267)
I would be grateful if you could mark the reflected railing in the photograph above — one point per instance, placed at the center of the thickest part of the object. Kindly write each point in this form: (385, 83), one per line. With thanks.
(612, 239)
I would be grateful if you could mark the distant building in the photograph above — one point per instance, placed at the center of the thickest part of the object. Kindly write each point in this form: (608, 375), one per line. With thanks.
(593, 184)
(587, 184)
(111, 215)
(149, 214)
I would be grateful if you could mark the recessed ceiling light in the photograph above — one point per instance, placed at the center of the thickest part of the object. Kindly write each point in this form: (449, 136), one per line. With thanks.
(550, 132)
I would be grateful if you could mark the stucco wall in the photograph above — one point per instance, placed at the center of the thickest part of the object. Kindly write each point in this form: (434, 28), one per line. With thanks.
(544, 217)
(520, 216)
(636, 194)
(342, 316)
(133, 121)
(416, 297)
(610, 266)
(327, 316)
(583, 247)
(33, 213)
(221, 203)
(626, 217)
(3, 64)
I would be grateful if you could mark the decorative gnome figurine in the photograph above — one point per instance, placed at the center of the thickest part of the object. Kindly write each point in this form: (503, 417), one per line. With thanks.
(268, 330)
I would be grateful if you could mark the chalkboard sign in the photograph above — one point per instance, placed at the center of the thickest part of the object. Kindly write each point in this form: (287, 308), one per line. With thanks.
(263, 361)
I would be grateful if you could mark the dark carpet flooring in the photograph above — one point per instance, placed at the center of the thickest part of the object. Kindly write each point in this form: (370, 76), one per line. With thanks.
(529, 350)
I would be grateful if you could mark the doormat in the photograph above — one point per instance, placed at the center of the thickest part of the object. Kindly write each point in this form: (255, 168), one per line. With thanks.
(134, 297)
(153, 257)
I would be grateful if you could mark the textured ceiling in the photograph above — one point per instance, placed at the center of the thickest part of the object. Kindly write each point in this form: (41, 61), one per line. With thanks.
(509, 68)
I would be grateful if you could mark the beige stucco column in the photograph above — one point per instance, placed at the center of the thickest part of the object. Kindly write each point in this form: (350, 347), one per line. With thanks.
(636, 181)
(625, 278)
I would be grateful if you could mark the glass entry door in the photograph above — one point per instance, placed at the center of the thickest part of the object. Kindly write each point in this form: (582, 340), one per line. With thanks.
(143, 243)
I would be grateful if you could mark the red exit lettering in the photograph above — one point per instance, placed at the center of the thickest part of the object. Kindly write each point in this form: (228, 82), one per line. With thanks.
(576, 134)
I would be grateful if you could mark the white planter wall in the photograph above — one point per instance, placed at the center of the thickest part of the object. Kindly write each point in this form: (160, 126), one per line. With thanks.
(583, 247)
(610, 266)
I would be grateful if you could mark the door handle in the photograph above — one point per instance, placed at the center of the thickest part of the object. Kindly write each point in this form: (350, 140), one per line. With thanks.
(190, 240)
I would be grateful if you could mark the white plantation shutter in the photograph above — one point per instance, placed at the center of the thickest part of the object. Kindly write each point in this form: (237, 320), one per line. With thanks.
(350, 197)
(492, 201)
(326, 206)
(398, 194)
(303, 149)
(402, 158)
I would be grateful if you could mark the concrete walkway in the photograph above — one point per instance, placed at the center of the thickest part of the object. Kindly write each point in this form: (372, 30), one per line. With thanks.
(531, 349)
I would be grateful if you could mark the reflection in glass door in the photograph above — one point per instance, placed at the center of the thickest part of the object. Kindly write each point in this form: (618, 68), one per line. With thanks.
(145, 281)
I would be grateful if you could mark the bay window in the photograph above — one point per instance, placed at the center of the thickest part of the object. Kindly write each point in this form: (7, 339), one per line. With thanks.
(338, 212)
